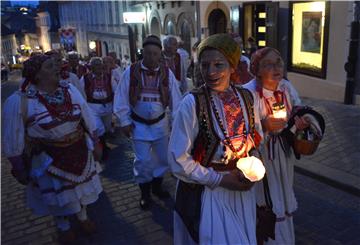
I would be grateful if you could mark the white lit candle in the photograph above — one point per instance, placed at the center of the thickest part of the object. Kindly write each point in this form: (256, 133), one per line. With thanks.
(252, 168)
(280, 113)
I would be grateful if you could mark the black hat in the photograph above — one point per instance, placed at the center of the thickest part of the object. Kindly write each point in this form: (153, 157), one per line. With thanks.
(153, 40)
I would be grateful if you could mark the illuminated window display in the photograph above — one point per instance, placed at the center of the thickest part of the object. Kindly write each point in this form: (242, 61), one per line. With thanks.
(309, 38)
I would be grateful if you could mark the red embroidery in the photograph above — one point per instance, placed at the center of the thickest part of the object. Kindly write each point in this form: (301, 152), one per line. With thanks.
(233, 113)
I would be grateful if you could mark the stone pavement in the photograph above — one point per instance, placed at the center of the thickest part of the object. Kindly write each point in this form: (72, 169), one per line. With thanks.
(337, 159)
(326, 215)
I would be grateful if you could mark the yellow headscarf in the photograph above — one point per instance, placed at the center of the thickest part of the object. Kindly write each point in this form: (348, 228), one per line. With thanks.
(225, 44)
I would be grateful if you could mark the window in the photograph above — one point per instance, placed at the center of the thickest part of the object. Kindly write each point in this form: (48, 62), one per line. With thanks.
(309, 38)
(110, 13)
(170, 29)
(117, 12)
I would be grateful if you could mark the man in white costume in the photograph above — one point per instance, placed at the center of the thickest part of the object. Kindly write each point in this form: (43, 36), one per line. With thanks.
(146, 90)
(99, 89)
(213, 129)
(177, 63)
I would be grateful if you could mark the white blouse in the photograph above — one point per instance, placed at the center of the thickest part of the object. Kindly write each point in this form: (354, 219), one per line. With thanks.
(40, 123)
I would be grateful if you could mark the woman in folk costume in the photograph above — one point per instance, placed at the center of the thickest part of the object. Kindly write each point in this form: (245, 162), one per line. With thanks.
(213, 128)
(49, 138)
(275, 99)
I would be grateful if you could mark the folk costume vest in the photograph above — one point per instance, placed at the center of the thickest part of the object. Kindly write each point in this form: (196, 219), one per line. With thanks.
(91, 86)
(188, 196)
(136, 84)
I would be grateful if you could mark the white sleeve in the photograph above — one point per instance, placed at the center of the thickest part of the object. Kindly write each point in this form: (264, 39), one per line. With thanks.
(13, 140)
(174, 93)
(115, 79)
(122, 108)
(81, 87)
(74, 80)
(181, 143)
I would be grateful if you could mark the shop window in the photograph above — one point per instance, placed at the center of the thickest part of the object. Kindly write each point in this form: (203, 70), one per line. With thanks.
(309, 31)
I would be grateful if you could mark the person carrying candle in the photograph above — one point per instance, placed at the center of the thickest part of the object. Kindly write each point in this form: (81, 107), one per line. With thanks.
(215, 129)
(274, 100)
(50, 138)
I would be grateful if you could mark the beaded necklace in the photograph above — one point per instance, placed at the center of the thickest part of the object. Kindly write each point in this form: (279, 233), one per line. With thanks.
(227, 140)
(59, 106)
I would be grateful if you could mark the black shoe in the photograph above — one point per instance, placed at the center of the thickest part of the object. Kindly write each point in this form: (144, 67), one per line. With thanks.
(157, 190)
(145, 200)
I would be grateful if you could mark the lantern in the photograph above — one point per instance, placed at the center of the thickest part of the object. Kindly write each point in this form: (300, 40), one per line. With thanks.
(252, 168)
(279, 111)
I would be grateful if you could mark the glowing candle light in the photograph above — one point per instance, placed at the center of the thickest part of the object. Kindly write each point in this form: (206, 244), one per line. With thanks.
(252, 167)
(280, 113)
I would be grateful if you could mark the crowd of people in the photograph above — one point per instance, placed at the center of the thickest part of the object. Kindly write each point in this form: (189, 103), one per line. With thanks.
(238, 123)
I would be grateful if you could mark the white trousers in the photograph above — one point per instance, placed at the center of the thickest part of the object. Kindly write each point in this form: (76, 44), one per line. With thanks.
(150, 159)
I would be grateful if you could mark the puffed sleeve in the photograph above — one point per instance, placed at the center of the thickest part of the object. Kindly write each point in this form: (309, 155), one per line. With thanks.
(13, 140)
(122, 108)
(181, 143)
(74, 80)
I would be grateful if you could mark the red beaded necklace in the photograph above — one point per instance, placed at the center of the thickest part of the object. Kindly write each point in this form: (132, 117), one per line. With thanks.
(60, 111)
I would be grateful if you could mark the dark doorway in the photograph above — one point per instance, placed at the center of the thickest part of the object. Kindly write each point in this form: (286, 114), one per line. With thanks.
(260, 21)
(186, 36)
(217, 22)
(106, 48)
(155, 27)
(131, 44)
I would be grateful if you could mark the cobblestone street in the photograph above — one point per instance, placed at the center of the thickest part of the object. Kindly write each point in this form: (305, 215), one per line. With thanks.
(326, 215)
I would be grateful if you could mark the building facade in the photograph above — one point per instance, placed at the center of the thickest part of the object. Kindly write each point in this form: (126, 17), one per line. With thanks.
(313, 37)
(98, 26)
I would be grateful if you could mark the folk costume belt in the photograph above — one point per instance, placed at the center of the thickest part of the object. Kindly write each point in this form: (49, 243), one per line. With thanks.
(148, 99)
(66, 141)
(107, 100)
(70, 154)
(140, 119)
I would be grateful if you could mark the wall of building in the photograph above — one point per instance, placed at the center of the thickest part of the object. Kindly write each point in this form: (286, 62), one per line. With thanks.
(43, 26)
(8, 48)
(101, 20)
(171, 12)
